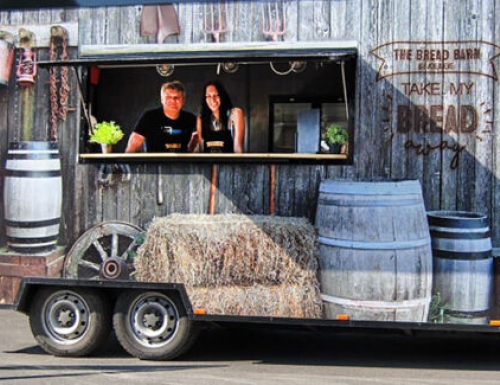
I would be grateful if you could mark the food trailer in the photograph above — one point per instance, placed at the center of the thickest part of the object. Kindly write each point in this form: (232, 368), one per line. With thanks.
(366, 195)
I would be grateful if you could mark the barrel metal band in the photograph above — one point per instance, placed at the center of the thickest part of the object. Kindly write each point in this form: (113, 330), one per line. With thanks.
(33, 249)
(443, 232)
(457, 222)
(371, 188)
(32, 241)
(360, 245)
(410, 303)
(440, 234)
(33, 174)
(32, 224)
(32, 156)
(466, 314)
(369, 203)
(463, 256)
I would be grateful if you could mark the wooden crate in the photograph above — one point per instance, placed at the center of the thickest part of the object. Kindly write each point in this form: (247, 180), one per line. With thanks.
(14, 266)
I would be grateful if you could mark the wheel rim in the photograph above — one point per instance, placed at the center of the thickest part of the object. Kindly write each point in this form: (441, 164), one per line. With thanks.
(67, 318)
(153, 320)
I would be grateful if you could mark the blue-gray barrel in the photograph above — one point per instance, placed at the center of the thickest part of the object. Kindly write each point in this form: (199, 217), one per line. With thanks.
(463, 265)
(32, 196)
(375, 251)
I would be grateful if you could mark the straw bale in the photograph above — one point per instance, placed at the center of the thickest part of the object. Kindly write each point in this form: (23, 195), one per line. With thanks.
(228, 249)
(275, 301)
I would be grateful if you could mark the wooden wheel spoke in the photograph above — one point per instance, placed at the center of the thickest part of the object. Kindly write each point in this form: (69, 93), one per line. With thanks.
(100, 250)
(114, 245)
(90, 265)
(130, 247)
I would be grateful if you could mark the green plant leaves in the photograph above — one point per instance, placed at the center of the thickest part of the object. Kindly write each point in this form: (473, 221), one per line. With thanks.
(106, 133)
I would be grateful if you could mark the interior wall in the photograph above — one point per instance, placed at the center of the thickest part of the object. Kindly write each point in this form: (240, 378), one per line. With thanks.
(122, 100)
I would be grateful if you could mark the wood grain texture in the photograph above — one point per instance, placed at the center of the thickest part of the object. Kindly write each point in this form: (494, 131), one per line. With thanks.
(378, 147)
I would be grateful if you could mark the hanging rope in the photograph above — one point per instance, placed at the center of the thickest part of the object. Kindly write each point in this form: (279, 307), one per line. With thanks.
(59, 83)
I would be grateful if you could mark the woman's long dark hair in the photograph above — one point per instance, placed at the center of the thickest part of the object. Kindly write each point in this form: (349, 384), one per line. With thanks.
(225, 106)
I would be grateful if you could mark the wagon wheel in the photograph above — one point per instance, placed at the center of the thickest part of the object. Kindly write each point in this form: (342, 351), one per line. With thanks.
(105, 251)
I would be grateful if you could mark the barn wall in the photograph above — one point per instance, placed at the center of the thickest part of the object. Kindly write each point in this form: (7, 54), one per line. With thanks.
(386, 145)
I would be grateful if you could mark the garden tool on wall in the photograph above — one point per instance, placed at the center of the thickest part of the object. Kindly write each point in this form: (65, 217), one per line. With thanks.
(6, 56)
(274, 26)
(159, 20)
(59, 79)
(212, 200)
(272, 189)
(159, 187)
(215, 19)
(215, 23)
(273, 19)
(27, 67)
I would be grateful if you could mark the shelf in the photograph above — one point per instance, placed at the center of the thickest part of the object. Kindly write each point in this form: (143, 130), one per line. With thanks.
(248, 157)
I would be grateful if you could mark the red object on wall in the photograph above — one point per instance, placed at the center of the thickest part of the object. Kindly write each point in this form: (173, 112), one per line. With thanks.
(95, 73)
(6, 60)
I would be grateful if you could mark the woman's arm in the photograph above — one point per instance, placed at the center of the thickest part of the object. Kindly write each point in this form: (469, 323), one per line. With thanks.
(238, 122)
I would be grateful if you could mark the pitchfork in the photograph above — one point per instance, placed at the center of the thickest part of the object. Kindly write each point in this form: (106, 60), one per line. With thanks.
(215, 21)
(273, 19)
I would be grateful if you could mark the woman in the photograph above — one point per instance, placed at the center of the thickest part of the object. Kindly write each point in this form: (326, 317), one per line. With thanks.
(220, 126)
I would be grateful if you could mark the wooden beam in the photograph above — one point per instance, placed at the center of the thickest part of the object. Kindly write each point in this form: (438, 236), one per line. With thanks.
(243, 49)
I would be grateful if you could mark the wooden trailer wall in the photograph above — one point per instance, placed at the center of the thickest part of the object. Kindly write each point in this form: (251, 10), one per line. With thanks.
(459, 168)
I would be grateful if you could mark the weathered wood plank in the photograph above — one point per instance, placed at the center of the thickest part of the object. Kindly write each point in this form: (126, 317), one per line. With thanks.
(484, 88)
(365, 136)
(389, 117)
(379, 148)
(432, 163)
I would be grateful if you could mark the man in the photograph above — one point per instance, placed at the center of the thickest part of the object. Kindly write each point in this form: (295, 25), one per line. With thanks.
(167, 128)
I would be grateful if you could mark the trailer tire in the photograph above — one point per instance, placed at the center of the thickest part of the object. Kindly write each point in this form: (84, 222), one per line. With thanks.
(152, 325)
(69, 322)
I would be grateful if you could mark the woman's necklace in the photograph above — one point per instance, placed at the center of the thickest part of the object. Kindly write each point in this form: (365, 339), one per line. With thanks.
(216, 126)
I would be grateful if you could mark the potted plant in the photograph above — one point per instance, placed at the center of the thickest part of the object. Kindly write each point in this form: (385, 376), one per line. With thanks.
(335, 137)
(106, 134)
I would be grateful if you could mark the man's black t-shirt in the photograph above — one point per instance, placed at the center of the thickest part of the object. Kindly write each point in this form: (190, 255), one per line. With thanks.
(164, 134)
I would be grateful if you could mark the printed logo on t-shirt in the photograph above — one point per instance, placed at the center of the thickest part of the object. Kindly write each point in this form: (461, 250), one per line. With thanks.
(170, 130)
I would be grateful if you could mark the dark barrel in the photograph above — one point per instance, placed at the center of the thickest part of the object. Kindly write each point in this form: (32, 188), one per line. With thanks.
(463, 265)
(32, 196)
(375, 253)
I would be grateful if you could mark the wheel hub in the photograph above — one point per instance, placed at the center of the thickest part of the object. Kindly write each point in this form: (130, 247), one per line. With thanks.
(113, 268)
(153, 321)
(66, 318)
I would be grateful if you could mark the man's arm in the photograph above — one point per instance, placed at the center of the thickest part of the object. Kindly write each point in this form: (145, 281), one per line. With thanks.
(135, 142)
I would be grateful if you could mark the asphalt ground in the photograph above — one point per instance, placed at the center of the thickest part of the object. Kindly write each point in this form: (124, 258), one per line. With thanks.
(254, 356)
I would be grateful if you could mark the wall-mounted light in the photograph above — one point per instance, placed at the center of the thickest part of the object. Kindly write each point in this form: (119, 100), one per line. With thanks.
(165, 70)
(299, 66)
(230, 67)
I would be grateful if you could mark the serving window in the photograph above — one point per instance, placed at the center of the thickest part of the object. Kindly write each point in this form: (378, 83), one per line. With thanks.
(288, 99)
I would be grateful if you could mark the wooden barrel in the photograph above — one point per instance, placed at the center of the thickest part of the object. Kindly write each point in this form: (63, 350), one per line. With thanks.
(375, 252)
(32, 196)
(463, 265)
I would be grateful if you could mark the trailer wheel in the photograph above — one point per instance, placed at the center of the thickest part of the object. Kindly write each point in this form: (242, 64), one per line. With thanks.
(152, 325)
(69, 323)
